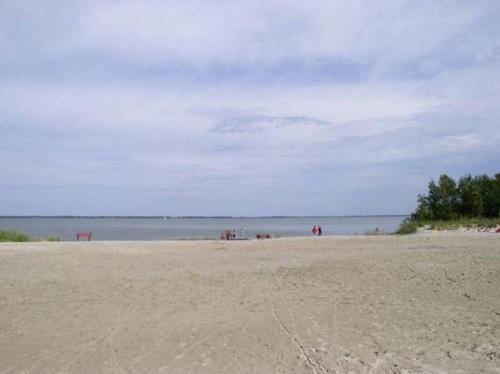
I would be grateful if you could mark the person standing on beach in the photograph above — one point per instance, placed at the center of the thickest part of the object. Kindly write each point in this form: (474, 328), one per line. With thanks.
(319, 230)
(314, 230)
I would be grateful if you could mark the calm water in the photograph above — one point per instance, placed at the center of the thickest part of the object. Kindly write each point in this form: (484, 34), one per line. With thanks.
(199, 228)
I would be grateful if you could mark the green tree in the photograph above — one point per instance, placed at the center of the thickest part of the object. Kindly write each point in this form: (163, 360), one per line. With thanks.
(492, 197)
(447, 198)
(433, 199)
(470, 197)
(424, 211)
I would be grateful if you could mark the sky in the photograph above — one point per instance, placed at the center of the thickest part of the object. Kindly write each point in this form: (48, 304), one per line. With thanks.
(243, 108)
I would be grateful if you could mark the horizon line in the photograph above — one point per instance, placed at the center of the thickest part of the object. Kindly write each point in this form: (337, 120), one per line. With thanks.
(190, 216)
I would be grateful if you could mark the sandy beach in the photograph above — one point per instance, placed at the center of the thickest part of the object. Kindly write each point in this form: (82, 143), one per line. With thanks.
(425, 303)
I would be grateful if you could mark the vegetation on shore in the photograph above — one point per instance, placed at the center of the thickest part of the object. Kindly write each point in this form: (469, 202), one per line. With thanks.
(19, 236)
(474, 223)
(408, 226)
(13, 236)
(472, 202)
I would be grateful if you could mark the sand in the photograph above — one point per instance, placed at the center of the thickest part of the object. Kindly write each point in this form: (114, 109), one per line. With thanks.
(425, 303)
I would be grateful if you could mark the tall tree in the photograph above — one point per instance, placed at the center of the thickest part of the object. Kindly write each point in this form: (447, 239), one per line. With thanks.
(470, 196)
(448, 201)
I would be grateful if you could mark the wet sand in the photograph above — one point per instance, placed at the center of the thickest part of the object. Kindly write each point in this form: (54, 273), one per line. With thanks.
(425, 303)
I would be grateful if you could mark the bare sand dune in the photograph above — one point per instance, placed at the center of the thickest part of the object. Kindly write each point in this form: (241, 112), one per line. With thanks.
(427, 303)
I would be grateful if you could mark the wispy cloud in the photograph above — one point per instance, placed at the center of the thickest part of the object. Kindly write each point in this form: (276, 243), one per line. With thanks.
(259, 123)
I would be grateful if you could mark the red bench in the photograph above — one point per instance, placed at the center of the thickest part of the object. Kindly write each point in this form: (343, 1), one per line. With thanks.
(84, 234)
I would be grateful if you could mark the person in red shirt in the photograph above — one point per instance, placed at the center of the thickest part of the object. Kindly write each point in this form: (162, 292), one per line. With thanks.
(314, 230)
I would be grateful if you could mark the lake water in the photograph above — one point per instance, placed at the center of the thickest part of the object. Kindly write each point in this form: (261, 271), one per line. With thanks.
(195, 228)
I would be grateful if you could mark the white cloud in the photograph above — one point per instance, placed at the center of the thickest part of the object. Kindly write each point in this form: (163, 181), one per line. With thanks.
(383, 34)
(128, 93)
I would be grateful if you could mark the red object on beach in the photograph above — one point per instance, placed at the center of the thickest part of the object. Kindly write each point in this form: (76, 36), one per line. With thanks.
(84, 234)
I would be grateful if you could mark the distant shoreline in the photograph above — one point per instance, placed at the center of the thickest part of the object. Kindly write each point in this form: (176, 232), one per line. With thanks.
(211, 217)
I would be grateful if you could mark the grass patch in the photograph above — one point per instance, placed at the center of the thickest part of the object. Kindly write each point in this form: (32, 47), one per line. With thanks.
(19, 236)
(13, 236)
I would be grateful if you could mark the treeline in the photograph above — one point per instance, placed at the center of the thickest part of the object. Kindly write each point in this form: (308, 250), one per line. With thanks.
(469, 197)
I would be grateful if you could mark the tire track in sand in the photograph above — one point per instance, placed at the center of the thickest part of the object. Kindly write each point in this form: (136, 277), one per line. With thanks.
(310, 359)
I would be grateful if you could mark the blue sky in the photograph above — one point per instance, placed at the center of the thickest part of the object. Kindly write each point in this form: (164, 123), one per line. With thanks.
(243, 108)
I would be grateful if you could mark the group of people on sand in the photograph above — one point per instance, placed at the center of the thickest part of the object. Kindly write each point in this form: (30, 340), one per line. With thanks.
(231, 234)
(316, 230)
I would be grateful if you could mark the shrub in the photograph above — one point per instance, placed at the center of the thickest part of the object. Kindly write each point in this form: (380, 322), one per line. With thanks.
(408, 226)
